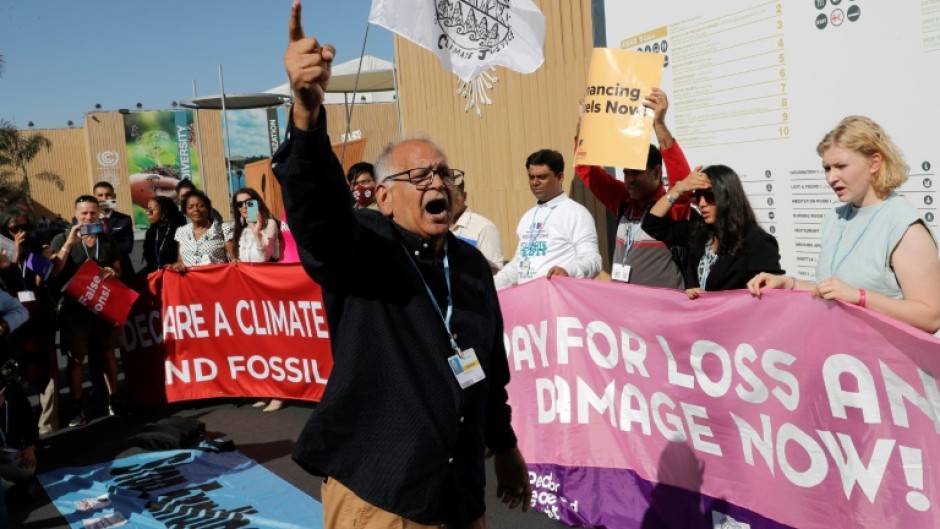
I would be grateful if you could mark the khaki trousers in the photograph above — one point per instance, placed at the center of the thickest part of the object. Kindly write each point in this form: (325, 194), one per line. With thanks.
(342, 509)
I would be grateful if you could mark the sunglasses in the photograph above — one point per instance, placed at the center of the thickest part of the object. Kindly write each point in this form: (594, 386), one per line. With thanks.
(240, 203)
(16, 228)
(707, 194)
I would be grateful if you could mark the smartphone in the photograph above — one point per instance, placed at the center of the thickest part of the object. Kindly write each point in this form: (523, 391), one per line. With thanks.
(252, 210)
(92, 228)
(111, 203)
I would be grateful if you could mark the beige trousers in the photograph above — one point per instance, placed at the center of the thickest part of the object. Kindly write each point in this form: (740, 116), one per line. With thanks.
(342, 509)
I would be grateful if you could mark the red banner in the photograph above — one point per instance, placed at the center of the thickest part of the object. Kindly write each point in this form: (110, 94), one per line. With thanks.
(108, 298)
(255, 330)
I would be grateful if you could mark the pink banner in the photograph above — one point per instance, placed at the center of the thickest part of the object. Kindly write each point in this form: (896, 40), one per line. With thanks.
(783, 411)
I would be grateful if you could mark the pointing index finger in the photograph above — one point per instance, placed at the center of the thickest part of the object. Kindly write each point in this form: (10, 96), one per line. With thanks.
(295, 28)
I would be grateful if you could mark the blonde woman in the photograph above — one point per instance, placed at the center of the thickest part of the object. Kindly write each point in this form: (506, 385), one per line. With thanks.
(876, 251)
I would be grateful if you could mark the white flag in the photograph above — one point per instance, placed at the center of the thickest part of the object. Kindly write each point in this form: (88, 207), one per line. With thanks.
(469, 36)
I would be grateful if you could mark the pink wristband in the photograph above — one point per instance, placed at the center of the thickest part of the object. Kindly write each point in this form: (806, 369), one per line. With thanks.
(862, 297)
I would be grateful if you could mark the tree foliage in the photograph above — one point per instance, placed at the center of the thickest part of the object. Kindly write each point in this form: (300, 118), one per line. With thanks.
(17, 150)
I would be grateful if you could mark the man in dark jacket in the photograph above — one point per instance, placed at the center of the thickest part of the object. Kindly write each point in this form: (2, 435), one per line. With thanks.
(418, 387)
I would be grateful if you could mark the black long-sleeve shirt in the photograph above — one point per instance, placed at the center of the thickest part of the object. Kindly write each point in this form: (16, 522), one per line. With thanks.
(394, 425)
(759, 253)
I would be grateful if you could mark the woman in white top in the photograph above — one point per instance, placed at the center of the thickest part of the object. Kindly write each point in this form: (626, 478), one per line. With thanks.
(204, 240)
(256, 234)
(256, 237)
(876, 251)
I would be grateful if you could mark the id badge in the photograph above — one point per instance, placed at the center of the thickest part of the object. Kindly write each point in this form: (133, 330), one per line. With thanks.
(466, 367)
(26, 296)
(620, 273)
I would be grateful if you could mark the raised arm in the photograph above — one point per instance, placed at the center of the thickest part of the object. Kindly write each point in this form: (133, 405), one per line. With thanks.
(674, 160)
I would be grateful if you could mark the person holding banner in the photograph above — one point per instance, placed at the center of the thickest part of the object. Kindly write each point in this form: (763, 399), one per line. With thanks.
(256, 244)
(83, 332)
(418, 386)
(160, 246)
(204, 240)
(557, 237)
(726, 246)
(876, 250)
(23, 275)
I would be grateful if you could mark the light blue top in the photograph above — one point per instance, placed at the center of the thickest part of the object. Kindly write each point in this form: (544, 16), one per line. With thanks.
(857, 243)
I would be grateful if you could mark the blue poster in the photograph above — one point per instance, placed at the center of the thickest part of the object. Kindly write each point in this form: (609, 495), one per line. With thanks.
(180, 489)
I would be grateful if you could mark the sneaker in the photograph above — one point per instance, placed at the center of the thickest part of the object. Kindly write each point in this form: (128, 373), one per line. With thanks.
(275, 405)
(79, 420)
(115, 407)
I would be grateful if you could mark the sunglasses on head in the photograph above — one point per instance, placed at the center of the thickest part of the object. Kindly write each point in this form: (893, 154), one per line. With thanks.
(707, 194)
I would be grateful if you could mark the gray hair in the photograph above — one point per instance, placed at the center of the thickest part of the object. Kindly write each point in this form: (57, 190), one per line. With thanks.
(384, 166)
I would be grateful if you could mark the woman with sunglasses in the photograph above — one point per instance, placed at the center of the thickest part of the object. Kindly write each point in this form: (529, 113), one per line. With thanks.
(23, 276)
(256, 241)
(875, 250)
(726, 246)
(256, 230)
(160, 247)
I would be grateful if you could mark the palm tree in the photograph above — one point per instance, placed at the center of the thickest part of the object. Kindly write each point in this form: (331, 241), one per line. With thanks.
(16, 151)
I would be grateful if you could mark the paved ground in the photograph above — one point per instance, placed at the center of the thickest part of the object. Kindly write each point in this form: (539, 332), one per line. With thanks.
(264, 437)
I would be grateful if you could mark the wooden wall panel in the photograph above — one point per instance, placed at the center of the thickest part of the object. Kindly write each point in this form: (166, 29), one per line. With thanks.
(68, 159)
(378, 123)
(529, 112)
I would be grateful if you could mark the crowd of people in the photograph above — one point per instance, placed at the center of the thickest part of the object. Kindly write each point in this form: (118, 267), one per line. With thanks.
(417, 392)
(37, 262)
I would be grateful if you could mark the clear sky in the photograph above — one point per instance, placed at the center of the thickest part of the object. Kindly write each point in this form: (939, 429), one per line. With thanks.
(64, 56)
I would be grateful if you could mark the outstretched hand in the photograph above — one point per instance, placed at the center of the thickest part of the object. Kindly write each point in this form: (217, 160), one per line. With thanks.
(308, 67)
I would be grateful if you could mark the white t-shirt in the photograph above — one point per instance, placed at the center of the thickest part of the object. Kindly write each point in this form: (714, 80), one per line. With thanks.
(559, 232)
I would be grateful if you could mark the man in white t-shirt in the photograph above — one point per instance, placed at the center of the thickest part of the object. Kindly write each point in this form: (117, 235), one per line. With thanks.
(557, 237)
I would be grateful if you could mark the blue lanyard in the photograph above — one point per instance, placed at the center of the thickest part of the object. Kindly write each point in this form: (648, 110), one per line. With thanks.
(629, 237)
(833, 266)
(450, 300)
(551, 209)
(97, 249)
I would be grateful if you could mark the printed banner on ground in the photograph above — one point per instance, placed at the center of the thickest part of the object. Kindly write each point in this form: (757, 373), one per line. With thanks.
(179, 488)
(615, 126)
(635, 405)
(251, 330)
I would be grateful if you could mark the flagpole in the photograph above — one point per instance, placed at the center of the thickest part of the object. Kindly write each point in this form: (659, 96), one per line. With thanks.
(228, 147)
(349, 108)
(401, 128)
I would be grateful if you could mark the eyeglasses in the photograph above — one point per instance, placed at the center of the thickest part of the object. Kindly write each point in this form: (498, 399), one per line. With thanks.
(421, 177)
(707, 194)
(16, 228)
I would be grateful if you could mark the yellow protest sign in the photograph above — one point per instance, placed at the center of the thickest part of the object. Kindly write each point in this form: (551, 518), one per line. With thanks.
(616, 127)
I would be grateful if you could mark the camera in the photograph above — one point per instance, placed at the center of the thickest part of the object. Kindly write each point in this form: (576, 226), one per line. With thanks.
(10, 374)
(92, 228)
